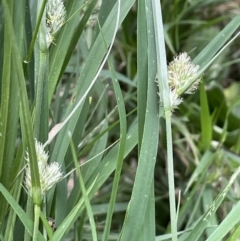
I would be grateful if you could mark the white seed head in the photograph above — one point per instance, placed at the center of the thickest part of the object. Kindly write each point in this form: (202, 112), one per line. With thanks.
(180, 71)
(49, 174)
(55, 18)
(49, 36)
(175, 99)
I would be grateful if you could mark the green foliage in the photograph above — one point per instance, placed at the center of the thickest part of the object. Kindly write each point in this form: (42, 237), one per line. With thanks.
(125, 154)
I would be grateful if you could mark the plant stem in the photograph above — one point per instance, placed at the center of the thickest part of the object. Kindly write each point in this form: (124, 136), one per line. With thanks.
(44, 210)
(29, 211)
(36, 222)
(171, 185)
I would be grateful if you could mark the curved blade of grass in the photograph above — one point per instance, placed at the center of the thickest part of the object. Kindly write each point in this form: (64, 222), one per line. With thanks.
(142, 75)
(188, 136)
(108, 164)
(76, 35)
(66, 224)
(148, 230)
(25, 116)
(226, 123)
(190, 201)
(99, 176)
(203, 165)
(8, 117)
(149, 227)
(94, 159)
(142, 65)
(207, 197)
(213, 50)
(206, 120)
(120, 156)
(226, 225)
(90, 68)
(235, 235)
(217, 43)
(59, 49)
(85, 195)
(27, 222)
(202, 224)
(16, 189)
(98, 144)
(46, 225)
(135, 216)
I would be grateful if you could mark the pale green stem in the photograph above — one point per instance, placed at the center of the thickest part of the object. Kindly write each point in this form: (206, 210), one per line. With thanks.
(29, 211)
(44, 210)
(171, 185)
(36, 222)
(41, 70)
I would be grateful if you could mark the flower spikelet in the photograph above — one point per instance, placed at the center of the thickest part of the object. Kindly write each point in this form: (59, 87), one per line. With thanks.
(175, 99)
(55, 18)
(181, 73)
(49, 174)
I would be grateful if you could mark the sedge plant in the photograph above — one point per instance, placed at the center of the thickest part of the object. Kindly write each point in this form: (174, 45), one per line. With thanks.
(65, 128)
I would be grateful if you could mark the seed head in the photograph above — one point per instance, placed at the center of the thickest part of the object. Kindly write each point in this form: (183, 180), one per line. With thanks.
(181, 73)
(49, 174)
(55, 18)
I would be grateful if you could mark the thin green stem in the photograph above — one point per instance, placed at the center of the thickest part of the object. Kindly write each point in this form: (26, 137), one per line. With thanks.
(171, 185)
(36, 222)
(44, 210)
(165, 98)
(30, 50)
(85, 194)
(29, 211)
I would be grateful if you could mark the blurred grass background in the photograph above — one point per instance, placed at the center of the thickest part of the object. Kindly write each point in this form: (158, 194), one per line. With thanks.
(205, 127)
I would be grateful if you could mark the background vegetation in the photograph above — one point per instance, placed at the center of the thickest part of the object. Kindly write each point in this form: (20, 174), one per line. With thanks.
(117, 134)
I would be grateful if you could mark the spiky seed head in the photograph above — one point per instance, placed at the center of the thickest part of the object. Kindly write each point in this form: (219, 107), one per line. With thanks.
(49, 174)
(55, 18)
(180, 71)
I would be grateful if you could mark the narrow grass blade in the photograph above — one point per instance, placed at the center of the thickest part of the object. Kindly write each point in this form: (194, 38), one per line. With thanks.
(85, 195)
(203, 165)
(67, 223)
(27, 222)
(59, 49)
(202, 224)
(142, 65)
(25, 115)
(235, 235)
(149, 227)
(8, 117)
(226, 225)
(77, 33)
(206, 120)
(122, 143)
(99, 176)
(215, 45)
(90, 68)
(137, 207)
(108, 164)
